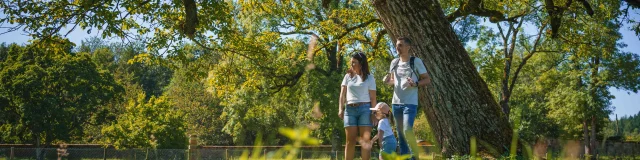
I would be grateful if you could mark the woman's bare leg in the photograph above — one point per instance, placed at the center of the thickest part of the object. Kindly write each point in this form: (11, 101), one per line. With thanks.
(365, 142)
(350, 147)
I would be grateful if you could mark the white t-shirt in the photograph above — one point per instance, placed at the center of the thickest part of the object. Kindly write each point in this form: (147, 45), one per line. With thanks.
(408, 95)
(383, 125)
(357, 90)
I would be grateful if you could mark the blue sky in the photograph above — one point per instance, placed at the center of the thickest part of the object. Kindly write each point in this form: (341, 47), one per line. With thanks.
(626, 103)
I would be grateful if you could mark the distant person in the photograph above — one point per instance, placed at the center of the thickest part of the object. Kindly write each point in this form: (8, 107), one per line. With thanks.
(406, 74)
(358, 92)
(385, 137)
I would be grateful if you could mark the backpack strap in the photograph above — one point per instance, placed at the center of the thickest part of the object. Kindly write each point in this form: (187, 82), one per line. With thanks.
(411, 62)
(413, 67)
(395, 64)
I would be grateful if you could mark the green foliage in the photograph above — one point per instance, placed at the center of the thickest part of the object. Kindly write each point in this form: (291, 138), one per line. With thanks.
(187, 91)
(271, 65)
(51, 93)
(124, 19)
(561, 84)
(283, 66)
(423, 130)
(136, 77)
(130, 63)
(253, 66)
(148, 124)
(626, 127)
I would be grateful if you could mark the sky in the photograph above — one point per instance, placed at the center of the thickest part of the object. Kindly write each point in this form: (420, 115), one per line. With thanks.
(625, 103)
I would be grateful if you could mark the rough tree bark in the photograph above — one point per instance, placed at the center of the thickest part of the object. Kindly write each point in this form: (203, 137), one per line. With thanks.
(592, 89)
(458, 104)
(592, 142)
(585, 136)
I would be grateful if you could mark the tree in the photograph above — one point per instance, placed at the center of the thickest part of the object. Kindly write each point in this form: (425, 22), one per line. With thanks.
(457, 92)
(130, 63)
(528, 101)
(628, 127)
(293, 60)
(433, 20)
(520, 49)
(631, 5)
(12, 132)
(261, 65)
(188, 94)
(51, 92)
(148, 124)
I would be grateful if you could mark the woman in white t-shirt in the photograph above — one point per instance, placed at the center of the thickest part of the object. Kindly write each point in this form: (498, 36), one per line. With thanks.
(358, 92)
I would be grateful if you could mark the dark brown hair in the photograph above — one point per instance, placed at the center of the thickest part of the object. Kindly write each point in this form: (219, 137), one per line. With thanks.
(364, 69)
(405, 39)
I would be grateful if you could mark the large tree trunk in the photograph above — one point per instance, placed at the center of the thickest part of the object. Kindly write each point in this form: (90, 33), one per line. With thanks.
(593, 87)
(458, 104)
(592, 143)
(585, 136)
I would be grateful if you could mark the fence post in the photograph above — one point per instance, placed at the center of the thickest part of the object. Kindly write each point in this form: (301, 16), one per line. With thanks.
(264, 153)
(301, 153)
(104, 153)
(11, 154)
(226, 153)
(193, 145)
(636, 148)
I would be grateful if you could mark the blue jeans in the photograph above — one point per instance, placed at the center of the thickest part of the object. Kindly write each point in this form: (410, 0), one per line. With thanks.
(388, 145)
(404, 115)
(357, 116)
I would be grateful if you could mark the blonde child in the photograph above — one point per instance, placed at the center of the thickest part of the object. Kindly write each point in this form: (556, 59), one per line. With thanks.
(385, 137)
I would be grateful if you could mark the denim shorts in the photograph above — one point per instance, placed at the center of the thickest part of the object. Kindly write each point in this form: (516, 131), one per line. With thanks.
(357, 116)
(388, 145)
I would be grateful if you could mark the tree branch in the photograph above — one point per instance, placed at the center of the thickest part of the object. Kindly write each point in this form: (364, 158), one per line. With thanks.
(11, 29)
(587, 6)
(633, 3)
(576, 43)
(322, 71)
(379, 37)
(555, 15)
(189, 25)
(502, 33)
(475, 7)
(296, 32)
(290, 81)
(348, 30)
(526, 58)
(514, 38)
(374, 44)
